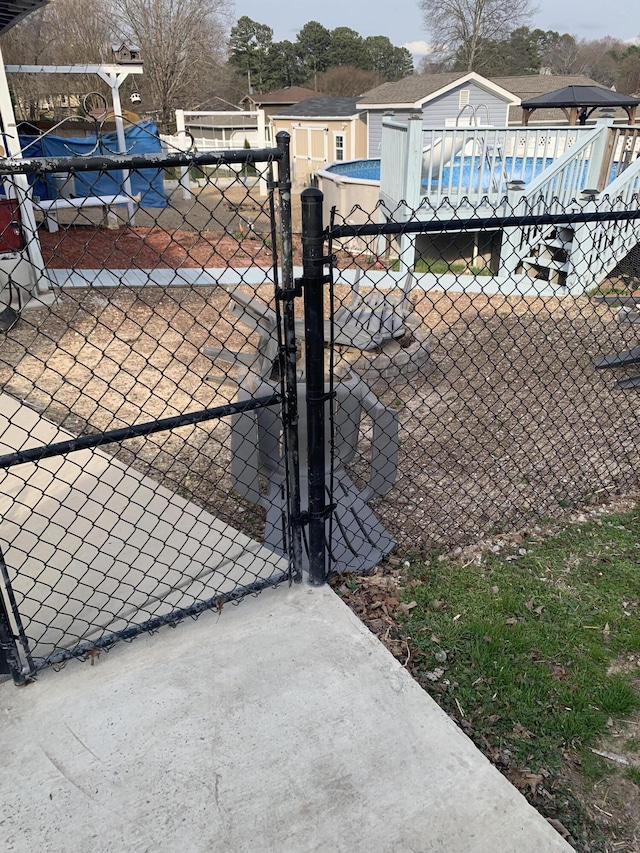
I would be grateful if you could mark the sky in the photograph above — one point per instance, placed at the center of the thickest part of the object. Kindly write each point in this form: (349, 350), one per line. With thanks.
(401, 21)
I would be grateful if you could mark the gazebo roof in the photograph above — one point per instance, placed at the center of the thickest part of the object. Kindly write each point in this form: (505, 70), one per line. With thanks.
(581, 96)
(579, 102)
(12, 11)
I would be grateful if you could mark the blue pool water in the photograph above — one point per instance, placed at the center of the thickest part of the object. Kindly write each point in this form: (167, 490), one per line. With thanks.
(464, 172)
(473, 173)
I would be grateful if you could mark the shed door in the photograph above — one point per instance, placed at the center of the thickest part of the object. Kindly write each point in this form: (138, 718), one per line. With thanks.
(310, 150)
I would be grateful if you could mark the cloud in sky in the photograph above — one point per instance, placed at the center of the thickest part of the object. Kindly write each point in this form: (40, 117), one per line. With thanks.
(418, 48)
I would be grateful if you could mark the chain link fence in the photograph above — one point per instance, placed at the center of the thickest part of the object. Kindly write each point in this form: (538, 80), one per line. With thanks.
(481, 335)
(138, 308)
(176, 431)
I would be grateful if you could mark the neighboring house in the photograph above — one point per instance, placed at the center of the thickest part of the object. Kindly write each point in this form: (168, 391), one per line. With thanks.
(323, 131)
(443, 100)
(274, 102)
(463, 98)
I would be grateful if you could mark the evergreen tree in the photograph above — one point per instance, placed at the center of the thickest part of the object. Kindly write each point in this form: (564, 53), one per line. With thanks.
(249, 47)
(313, 43)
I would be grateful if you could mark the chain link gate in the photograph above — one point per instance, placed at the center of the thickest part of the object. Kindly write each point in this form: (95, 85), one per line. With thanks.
(148, 435)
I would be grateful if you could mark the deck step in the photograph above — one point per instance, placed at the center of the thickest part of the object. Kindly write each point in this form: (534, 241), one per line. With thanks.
(558, 243)
(547, 263)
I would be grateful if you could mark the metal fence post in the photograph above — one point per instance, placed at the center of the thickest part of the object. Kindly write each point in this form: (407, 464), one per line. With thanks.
(313, 276)
(290, 402)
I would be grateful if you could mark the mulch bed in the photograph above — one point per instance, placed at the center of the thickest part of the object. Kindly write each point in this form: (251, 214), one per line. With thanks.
(85, 247)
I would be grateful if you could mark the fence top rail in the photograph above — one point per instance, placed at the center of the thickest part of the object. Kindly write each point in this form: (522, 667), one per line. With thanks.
(104, 163)
(514, 128)
(414, 226)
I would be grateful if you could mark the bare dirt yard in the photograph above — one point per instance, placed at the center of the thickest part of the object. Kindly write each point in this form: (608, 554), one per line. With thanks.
(508, 421)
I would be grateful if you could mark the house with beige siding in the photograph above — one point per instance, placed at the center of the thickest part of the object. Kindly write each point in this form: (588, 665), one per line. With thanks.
(322, 131)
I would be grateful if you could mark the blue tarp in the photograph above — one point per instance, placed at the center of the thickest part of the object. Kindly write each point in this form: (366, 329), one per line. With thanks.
(140, 139)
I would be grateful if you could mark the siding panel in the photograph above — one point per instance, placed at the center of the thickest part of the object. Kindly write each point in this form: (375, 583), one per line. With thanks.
(375, 127)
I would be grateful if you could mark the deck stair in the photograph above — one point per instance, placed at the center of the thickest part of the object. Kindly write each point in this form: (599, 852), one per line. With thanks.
(549, 260)
(578, 258)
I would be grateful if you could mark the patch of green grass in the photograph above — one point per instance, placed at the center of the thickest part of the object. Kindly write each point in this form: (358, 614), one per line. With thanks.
(633, 773)
(609, 288)
(438, 265)
(529, 639)
(441, 267)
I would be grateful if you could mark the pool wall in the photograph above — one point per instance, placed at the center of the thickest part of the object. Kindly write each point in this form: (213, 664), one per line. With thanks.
(347, 193)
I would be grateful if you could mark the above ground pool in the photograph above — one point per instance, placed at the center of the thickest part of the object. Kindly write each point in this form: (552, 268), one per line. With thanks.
(363, 170)
(464, 173)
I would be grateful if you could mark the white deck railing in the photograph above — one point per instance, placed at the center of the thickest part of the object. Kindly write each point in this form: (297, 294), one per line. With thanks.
(555, 190)
(563, 181)
(393, 163)
(475, 163)
(479, 162)
(601, 245)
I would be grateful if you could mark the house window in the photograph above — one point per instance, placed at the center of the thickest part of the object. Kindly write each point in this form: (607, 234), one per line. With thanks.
(463, 98)
(339, 146)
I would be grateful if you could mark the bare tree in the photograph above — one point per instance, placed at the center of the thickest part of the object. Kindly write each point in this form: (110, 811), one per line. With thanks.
(62, 33)
(181, 41)
(460, 27)
(347, 81)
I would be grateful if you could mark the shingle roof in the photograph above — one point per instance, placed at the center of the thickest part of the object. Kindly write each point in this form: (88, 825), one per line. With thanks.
(288, 95)
(410, 89)
(531, 85)
(419, 86)
(321, 108)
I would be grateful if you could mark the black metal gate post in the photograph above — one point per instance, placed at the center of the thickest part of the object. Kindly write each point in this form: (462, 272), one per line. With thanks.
(290, 396)
(313, 261)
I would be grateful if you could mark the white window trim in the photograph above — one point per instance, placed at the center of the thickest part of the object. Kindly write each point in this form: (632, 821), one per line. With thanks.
(343, 135)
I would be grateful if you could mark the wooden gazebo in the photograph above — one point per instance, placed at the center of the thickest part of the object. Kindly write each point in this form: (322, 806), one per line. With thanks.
(579, 102)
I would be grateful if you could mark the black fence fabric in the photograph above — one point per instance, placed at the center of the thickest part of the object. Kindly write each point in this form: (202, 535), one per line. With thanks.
(117, 316)
(454, 373)
(483, 331)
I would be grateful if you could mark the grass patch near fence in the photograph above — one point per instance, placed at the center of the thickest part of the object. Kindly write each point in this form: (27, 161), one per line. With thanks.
(532, 644)
(529, 645)
(442, 267)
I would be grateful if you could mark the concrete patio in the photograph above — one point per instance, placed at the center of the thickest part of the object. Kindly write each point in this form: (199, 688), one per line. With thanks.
(278, 725)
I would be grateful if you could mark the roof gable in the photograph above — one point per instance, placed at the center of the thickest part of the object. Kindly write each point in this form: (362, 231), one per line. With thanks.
(418, 89)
